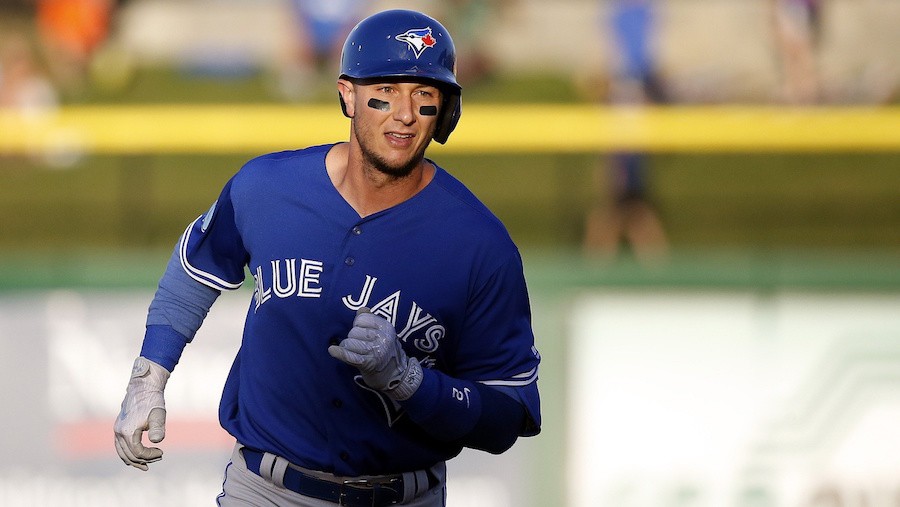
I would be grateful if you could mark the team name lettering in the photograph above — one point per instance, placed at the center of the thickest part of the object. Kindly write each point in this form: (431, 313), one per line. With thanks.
(289, 278)
(389, 308)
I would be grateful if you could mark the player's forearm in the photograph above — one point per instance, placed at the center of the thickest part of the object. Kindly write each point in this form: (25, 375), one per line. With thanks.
(176, 313)
(465, 412)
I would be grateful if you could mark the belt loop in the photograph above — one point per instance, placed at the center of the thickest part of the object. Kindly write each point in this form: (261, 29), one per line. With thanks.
(265, 466)
(410, 489)
(278, 470)
(421, 482)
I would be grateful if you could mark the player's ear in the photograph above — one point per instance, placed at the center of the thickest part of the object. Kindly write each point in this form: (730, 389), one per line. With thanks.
(345, 95)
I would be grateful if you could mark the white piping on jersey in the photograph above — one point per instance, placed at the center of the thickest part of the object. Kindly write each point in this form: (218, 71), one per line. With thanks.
(522, 379)
(208, 279)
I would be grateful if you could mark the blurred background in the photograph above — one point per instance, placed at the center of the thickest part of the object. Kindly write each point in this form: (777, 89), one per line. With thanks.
(706, 194)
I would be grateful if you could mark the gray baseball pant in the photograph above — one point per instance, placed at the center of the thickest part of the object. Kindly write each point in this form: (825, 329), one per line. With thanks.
(243, 488)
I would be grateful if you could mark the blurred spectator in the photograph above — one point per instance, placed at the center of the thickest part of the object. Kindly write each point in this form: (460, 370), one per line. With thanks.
(71, 32)
(636, 76)
(319, 32)
(26, 91)
(797, 26)
(627, 217)
(24, 87)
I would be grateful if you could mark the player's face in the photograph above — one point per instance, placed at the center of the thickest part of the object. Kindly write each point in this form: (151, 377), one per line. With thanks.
(393, 124)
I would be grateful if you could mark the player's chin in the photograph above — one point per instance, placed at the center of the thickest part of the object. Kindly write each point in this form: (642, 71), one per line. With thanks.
(393, 163)
(402, 156)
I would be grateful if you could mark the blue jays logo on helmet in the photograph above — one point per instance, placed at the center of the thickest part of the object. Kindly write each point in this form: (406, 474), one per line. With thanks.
(419, 39)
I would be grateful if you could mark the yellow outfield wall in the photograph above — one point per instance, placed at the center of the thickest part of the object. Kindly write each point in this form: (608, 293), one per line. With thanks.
(484, 128)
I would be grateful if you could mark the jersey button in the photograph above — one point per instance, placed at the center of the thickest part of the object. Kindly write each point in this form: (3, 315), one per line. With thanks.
(357, 230)
(349, 261)
(345, 456)
(337, 402)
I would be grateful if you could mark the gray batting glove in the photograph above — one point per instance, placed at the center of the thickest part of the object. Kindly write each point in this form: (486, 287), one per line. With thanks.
(143, 409)
(372, 347)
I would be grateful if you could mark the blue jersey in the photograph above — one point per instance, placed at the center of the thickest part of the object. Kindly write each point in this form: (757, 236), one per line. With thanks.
(439, 266)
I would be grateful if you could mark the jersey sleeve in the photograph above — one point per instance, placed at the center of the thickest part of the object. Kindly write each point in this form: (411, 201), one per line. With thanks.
(211, 250)
(498, 349)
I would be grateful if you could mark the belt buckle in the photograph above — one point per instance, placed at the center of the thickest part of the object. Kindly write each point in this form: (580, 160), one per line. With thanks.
(371, 482)
(367, 484)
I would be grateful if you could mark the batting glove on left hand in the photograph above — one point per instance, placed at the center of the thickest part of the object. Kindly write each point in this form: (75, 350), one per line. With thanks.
(372, 347)
(143, 409)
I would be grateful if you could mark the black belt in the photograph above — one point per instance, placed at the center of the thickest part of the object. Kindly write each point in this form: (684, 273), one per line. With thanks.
(372, 492)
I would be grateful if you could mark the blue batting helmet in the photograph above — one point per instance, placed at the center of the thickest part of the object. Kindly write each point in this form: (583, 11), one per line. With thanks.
(406, 44)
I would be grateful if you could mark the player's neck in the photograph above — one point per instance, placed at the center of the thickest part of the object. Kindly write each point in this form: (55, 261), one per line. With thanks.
(369, 190)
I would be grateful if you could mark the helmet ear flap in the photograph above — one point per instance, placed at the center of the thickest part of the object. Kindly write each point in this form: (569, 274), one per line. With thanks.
(452, 110)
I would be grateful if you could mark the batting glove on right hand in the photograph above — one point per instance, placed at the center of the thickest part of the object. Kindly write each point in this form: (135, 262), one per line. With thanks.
(143, 409)
(372, 346)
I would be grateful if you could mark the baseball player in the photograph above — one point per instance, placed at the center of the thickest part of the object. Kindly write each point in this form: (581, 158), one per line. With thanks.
(390, 324)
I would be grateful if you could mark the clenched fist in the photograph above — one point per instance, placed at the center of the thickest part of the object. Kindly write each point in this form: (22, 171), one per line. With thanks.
(372, 347)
